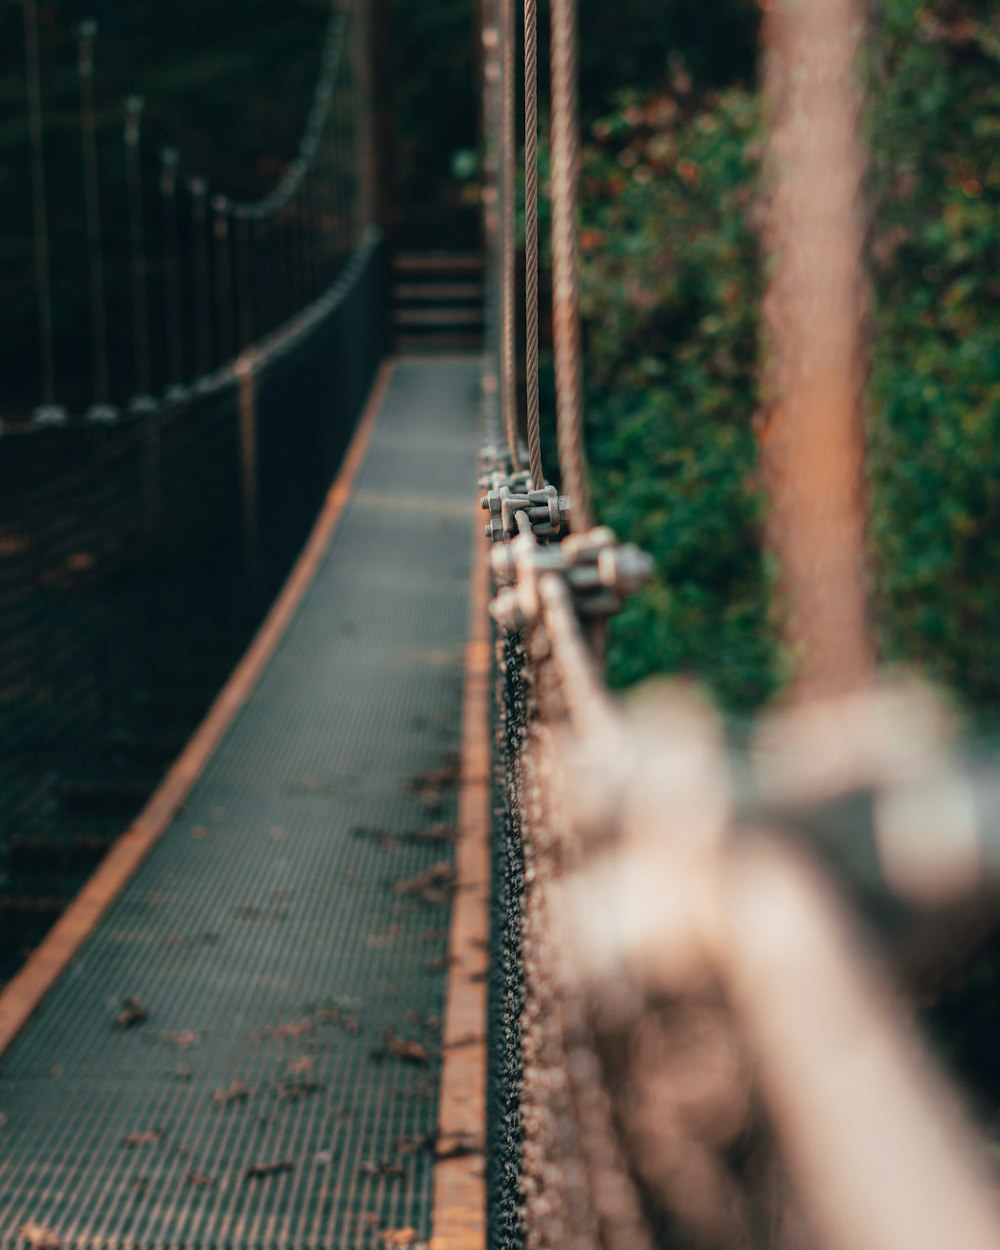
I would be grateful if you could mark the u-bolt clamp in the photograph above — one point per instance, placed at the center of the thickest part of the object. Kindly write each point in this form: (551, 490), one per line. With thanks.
(545, 509)
(599, 573)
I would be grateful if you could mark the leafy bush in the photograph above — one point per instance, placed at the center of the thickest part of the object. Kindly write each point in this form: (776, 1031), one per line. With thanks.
(934, 398)
(671, 308)
(672, 297)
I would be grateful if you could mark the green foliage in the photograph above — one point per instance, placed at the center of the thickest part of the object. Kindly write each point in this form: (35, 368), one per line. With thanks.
(672, 301)
(934, 400)
(671, 306)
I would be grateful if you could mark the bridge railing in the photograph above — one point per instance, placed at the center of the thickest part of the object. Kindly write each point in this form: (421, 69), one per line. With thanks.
(141, 542)
(696, 1040)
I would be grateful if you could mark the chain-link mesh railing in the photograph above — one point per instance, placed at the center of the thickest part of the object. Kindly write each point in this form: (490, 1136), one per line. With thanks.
(142, 541)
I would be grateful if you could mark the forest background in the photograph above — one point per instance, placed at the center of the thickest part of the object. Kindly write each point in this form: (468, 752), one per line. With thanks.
(672, 272)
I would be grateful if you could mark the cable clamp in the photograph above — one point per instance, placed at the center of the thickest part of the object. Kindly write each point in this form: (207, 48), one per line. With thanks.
(545, 509)
(599, 572)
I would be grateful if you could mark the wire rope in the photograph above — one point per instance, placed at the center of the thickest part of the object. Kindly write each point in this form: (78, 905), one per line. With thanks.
(508, 180)
(566, 262)
(531, 239)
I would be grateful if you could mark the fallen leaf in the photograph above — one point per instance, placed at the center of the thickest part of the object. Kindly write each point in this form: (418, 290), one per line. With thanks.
(303, 1066)
(393, 1171)
(433, 885)
(258, 1171)
(459, 1148)
(199, 1180)
(402, 1048)
(383, 837)
(148, 1137)
(235, 1091)
(470, 1039)
(415, 1145)
(298, 1089)
(430, 1024)
(346, 1018)
(133, 1013)
(382, 941)
(183, 1041)
(433, 835)
(39, 1237)
(399, 1238)
(294, 1028)
(444, 778)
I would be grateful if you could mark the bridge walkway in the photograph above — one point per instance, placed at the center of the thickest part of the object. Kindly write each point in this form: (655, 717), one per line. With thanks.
(246, 1050)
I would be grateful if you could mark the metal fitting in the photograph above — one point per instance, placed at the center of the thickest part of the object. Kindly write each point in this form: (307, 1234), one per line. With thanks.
(545, 509)
(599, 573)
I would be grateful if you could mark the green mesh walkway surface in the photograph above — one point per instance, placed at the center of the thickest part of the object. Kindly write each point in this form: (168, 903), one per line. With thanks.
(283, 1090)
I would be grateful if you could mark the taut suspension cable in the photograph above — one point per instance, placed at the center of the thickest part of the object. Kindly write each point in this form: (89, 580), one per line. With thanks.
(566, 262)
(508, 182)
(531, 237)
(43, 280)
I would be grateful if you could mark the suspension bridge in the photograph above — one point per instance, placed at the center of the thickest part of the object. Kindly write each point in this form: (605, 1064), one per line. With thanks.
(388, 925)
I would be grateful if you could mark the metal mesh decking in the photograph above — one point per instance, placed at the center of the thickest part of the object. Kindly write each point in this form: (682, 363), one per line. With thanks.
(282, 1091)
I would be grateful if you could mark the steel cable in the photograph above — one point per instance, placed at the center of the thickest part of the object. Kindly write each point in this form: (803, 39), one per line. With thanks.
(531, 238)
(566, 263)
(508, 179)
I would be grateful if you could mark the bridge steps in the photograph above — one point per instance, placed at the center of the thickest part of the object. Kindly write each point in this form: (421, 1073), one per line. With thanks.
(437, 302)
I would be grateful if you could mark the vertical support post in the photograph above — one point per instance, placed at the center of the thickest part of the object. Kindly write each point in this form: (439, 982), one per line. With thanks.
(172, 318)
(309, 216)
(326, 190)
(43, 279)
(245, 240)
(223, 276)
(566, 260)
(313, 215)
(340, 175)
(263, 271)
(134, 105)
(291, 253)
(202, 278)
(248, 457)
(811, 435)
(360, 21)
(380, 25)
(86, 36)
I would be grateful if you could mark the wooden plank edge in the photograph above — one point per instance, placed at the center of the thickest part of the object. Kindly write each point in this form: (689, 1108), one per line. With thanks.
(23, 993)
(459, 1210)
